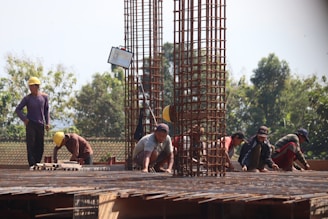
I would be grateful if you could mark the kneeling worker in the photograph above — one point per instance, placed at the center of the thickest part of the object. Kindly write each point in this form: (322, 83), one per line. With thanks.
(75, 144)
(153, 148)
(288, 150)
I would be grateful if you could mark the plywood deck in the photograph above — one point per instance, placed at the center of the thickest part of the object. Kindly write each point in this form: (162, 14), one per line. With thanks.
(248, 187)
(235, 189)
(288, 189)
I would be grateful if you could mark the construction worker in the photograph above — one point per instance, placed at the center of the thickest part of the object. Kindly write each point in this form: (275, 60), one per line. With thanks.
(229, 143)
(191, 137)
(256, 152)
(79, 147)
(288, 149)
(36, 120)
(153, 148)
(183, 142)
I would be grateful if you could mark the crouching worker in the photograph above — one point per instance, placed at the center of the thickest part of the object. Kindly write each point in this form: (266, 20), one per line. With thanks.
(255, 153)
(288, 149)
(152, 149)
(76, 145)
(230, 143)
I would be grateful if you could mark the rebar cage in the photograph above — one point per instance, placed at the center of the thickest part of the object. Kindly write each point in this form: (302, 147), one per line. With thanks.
(199, 79)
(144, 80)
(199, 87)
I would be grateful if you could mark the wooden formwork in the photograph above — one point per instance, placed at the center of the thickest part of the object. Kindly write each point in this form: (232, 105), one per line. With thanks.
(132, 194)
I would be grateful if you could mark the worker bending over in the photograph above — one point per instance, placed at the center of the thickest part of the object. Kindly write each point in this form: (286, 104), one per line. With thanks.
(76, 145)
(288, 150)
(229, 143)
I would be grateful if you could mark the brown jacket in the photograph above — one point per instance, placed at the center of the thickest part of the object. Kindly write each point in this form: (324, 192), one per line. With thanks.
(77, 146)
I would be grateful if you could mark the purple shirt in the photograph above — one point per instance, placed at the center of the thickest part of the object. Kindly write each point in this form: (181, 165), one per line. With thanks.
(37, 108)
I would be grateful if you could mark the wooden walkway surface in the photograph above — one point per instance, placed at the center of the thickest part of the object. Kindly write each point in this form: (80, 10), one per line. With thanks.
(287, 187)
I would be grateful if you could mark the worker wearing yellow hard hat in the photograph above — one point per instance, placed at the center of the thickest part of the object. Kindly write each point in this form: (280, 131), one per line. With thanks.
(80, 148)
(166, 113)
(36, 119)
(169, 114)
(58, 138)
(34, 81)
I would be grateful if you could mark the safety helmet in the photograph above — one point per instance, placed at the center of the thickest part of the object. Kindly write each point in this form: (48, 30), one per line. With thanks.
(166, 113)
(58, 138)
(33, 80)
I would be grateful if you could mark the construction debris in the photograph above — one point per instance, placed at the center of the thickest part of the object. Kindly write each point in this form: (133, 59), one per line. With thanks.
(68, 166)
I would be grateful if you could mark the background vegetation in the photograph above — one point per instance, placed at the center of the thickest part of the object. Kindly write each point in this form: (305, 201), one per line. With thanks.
(274, 97)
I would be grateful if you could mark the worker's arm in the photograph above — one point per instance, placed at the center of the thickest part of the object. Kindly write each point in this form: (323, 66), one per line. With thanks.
(146, 161)
(229, 161)
(55, 154)
(171, 162)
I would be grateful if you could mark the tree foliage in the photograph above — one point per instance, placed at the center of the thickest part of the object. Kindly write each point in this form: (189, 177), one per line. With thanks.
(168, 73)
(281, 102)
(269, 81)
(274, 98)
(100, 106)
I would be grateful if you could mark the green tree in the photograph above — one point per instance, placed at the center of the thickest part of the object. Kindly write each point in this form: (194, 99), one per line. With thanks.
(58, 84)
(269, 81)
(318, 119)
(237, 105)
(168, 73)
(100, 106)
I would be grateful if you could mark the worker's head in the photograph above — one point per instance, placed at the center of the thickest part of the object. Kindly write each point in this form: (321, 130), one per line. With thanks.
(196, 132)
(34, 84)
(169, 113)
(262, 133)
(237, 138)
(162, 130)
(33, 81)
(303, 135)
(166, 113)
(58, 138)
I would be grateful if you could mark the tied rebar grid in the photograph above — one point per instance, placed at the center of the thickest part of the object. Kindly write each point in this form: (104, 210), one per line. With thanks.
(144, 80)
(199, 86)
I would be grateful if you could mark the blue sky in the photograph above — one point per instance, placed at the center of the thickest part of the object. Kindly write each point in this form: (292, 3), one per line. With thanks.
(79, 33)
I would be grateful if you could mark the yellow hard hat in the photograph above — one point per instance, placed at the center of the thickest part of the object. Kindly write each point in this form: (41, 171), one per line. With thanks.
(33, 80)
(166, 113)
(58, 138)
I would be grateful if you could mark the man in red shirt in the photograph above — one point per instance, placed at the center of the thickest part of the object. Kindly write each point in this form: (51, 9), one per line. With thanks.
(182, 143)
(229, 143)
(288, 149)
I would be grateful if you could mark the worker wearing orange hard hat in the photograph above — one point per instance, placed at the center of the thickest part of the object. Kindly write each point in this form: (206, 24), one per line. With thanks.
(76, 145)
(36, 120)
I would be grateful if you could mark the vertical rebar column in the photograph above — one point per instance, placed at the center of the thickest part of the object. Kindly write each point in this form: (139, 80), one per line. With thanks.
(199, 86)
(144, 80)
